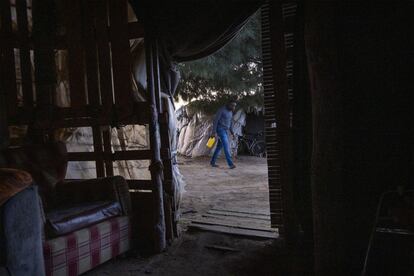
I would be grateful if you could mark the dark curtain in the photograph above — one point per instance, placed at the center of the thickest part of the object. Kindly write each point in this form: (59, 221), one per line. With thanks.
(189, 30)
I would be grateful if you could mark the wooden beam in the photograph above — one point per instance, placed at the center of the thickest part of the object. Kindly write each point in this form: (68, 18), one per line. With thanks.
(88, 8)
(104, 56)
(109, 166)
(76, 57)
(98, 148)
(169, 191)
(138, 184)
(121, 58)
(157, 82)
(94, 98)
(25, 62)
(328, 182)
(156, 162)
(8, 68)
(4, 126)
(59, 42)
(132, 155)
(235, 231)
(116, 156)
(141, 110)
(44, 29)
(60, 122)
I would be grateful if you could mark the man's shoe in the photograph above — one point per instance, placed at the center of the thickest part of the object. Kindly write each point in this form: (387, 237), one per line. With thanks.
(214, 165)
(232, 167)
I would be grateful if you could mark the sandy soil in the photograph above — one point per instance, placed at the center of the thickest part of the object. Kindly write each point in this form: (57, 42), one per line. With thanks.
(244, 187)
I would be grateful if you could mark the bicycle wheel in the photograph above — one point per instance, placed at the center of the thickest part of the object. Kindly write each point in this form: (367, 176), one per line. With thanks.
(242, 147)
(259, 149)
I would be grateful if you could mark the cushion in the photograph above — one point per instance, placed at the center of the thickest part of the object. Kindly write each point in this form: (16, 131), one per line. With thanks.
(11, 182)
(82, 250)
(46, 163)
(63, 221)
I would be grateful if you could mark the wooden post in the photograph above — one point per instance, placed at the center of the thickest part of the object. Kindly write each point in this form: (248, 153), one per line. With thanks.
(4, 128)
(5, 67)
(327, 153)
(25, 64)
(94, 97)
(155, 144)
(44, 32)
(157, 83)
(302, 132)
(121, 63)
(169, 196)
(76, 53)
(105, 78)
(8, 69)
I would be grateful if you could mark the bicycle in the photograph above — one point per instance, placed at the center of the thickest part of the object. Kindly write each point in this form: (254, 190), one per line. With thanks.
(253, 144)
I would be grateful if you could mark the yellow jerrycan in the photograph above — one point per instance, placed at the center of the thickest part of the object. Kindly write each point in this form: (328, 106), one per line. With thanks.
(210, 142)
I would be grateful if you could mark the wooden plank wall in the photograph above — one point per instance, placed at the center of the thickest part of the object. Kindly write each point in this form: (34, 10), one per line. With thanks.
(96, 38)
(277, 52)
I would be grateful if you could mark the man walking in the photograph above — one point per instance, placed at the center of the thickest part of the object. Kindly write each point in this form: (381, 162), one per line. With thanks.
(222, 125)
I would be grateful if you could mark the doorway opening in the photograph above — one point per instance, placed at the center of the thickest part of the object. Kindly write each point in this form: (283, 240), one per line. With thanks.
(221, 199)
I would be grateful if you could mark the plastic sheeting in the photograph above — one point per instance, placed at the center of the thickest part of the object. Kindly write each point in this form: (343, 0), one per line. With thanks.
(178, 179)
(195, 129)
(133, 137)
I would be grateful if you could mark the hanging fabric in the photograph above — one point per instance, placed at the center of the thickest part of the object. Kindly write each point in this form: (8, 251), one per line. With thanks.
(189, 30)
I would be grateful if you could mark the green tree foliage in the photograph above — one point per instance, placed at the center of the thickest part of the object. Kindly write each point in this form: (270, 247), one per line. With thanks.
(235, 71)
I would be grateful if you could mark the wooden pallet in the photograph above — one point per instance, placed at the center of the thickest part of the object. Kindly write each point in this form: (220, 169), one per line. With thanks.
(235, 222)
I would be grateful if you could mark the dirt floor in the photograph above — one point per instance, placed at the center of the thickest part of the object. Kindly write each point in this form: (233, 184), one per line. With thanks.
(245, 188)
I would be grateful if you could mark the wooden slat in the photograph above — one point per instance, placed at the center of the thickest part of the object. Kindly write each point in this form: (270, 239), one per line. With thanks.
(157, 82)
(8, 69)
(239, 214)
(102, 39)
(243, 221)
(242, 211)
(109, 166)
(25, 63)
(88, 8)
(76, 58)
(116, 156)
(105, 76)
(121, 59)
(24, 119)
(233, 224)
(272, 143)
(82, 156)
(235, 231)
(59, 42)
(84, 113)
(132, 155)
(278, 72)
(277, 45)
(170, 196)
(139, 184)
(98, 148)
